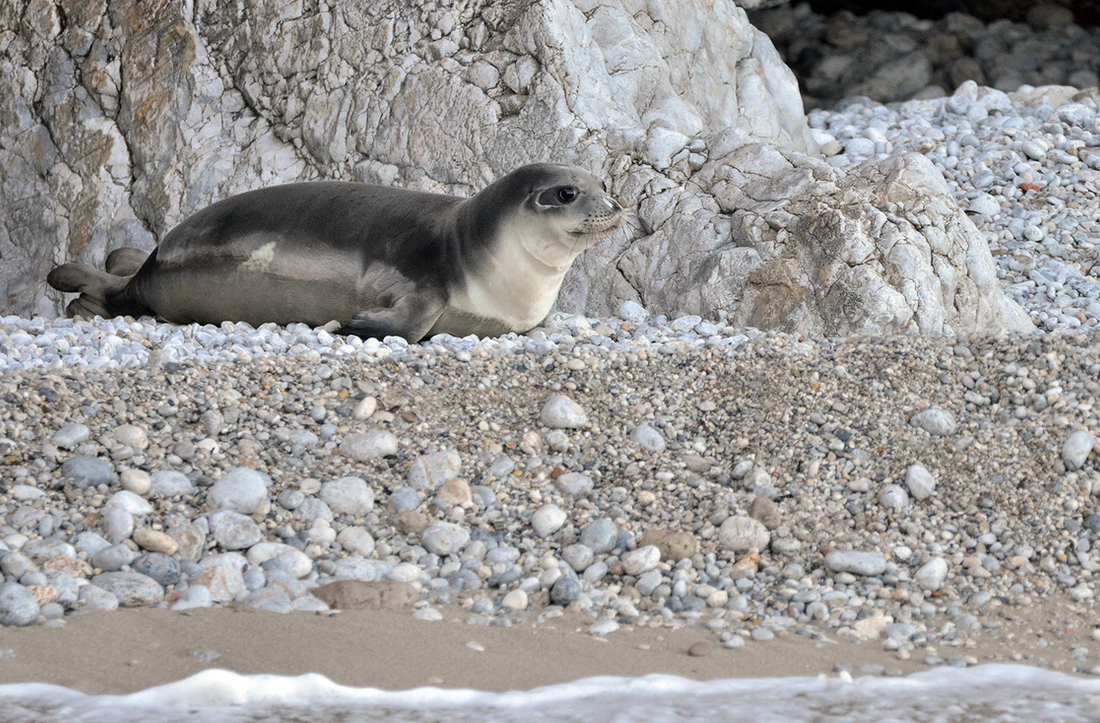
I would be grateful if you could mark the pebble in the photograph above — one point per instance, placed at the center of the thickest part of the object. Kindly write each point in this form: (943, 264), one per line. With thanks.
(136, 481)
(515, 600)
(1077, 449)
(17, 605)
(361, 447)
(700, 649)
(241, 490)
(71, 436)
(270, 599)
(742, 534)
(348, 496)
(161, 568)
(166, 484)
(867, 564)
(195, 596)
(84, 472)
(574, 484)
(429, 614)
(234, 531)
(131, 436)
(93, 597)
(935, 421)
(155, 541)
(600, 536)
(932, 574)
(893, 497)
(641, 560)
(565, 592)
(648, 438)
(432, 471)
(920, 482)
(113, 558)
(604, 627)
(444, 538)
(561, 412)
(132, 589)
(547, 520)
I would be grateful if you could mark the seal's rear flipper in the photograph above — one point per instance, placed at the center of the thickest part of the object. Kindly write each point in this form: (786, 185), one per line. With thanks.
(101, 294)
(125, 261)
(72, 277)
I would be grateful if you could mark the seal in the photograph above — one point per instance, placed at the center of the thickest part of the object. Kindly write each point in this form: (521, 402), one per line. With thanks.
(380, 261)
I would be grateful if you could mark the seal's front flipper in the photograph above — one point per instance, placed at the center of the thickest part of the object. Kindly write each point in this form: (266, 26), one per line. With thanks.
(411, 318)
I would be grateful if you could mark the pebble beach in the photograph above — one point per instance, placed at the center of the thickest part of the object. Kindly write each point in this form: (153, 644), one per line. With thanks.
(935, 500)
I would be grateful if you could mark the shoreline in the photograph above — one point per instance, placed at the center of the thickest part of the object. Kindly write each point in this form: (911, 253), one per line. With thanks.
(135, 649)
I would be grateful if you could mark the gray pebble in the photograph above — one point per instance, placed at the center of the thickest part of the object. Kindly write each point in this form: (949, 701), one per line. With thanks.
(241, 490)
(860, 563)
(360, 447)
(935, 421)
(167, 483)
(920, 482)
(348, 496)
(131, 588)
(578, 557)
(404, 499)
(17, 605)
(1077, 449)
(71, 436)
(86, 472)
(932, 574)
(93, 597)
(444, 538)
(742, 534)
(574, 484)
(431, 471)
(599, 536)
(162, 568)
(648, 438)
(234, 531)
(561, 412)
(113, 558)
(271, 599)
(893, 497)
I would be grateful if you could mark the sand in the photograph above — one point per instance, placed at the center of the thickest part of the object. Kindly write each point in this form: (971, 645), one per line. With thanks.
(133, 649)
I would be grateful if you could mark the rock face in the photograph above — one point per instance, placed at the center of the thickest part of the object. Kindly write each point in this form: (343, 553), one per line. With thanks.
(116, 124)
(780, 240)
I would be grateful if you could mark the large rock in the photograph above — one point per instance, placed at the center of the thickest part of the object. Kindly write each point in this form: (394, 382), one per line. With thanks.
(781, 240)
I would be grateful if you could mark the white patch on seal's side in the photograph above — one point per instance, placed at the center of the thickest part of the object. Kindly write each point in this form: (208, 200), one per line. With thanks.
(260, 259)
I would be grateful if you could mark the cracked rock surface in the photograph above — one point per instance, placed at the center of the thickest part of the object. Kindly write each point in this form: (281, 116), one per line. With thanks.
(118, 121)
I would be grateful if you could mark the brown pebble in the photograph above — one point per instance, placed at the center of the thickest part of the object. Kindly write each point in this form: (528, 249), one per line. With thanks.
(700, 649)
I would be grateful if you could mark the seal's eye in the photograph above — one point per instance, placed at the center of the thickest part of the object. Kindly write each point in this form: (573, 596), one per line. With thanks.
(560, 196)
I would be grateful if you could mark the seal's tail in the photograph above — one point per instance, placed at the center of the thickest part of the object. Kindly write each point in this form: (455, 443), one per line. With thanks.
(101, 293)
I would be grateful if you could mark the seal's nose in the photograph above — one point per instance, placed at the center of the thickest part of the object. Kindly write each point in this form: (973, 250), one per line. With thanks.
(612, 204)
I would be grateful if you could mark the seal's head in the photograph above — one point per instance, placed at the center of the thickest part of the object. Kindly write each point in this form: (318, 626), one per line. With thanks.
(554, 211)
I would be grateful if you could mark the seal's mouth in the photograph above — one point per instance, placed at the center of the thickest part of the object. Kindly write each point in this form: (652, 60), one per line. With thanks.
(599, 226)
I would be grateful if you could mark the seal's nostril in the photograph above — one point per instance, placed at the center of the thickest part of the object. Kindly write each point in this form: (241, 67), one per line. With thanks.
(613, 204)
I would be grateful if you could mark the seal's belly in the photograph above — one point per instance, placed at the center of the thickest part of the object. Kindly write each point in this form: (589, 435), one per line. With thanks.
(212, 296)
